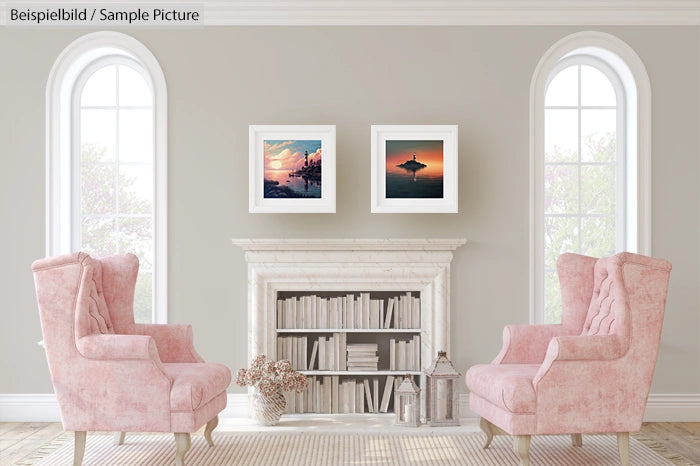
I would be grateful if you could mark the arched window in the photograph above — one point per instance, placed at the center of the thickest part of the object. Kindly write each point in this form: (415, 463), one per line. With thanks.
(590, 100)
(106, 159)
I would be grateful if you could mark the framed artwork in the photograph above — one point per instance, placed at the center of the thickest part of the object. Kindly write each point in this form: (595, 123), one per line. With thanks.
(292, 168)
(414, 168)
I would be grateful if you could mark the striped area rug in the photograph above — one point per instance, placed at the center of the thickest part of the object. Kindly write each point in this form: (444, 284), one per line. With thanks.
(306, 449)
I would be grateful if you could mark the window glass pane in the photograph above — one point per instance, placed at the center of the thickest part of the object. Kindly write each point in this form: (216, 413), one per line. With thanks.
(116, 170)
(560, 135)
(598, 191)
(552, 298)
(563, 88)
(99, 129)
(143, 296)
(580, 188)
(98, 235)
(135, 189)
(100, 88)
(598, 135)
(136, 136)
(560, 236)
(598, 236)
(133, 89)
(596, 88)
(561, 189)
(136, 237)
(97, 182)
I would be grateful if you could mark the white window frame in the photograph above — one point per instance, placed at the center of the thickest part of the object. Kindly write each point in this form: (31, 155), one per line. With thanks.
(61, 143)
(634, 143)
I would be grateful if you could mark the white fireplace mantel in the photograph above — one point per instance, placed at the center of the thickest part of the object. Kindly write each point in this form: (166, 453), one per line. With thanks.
(313, 264)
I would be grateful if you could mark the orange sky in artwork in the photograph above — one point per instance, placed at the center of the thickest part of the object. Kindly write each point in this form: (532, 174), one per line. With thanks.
(428, 152)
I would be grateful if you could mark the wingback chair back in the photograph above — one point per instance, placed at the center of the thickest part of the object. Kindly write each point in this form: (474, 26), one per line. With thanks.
(624, 318)
(72, 306)
(110, 373)
(592, 372)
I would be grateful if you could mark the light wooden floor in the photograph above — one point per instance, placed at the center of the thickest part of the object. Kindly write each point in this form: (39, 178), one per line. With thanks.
(19, 440)
(682, 438)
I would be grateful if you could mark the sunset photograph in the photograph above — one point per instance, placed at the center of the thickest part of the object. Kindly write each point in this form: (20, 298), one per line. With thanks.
(292, 168)
(414, 169)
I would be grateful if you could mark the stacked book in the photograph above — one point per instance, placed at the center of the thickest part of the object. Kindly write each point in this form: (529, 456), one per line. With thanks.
(328, 353)
(362, 356)
(294, 349)
(348, 312)
(404, 355)
(333, 394)
(406, 312)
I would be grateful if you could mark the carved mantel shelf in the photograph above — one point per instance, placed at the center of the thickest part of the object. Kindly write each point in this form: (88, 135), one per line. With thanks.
(322, 264)
(360, 244)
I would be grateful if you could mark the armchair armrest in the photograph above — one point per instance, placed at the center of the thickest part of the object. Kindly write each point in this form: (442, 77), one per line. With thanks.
(526, 344)
(118, 347)
(582, 349)
(118, 383)
(175, 342)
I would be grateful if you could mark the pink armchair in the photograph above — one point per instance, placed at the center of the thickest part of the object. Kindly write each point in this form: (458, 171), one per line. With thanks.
(589, 374)
(111, 374)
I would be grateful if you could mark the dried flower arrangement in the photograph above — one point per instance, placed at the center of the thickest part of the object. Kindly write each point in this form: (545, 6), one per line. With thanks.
(269, 376)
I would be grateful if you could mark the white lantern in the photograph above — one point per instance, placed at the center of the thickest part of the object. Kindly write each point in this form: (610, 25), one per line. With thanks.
(442, 402)
(407, 403)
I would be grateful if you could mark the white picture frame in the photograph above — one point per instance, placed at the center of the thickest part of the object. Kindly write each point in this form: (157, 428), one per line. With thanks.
(291, 186)
(389, 142)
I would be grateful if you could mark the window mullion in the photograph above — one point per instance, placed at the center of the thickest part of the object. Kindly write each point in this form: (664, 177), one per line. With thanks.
(117, 225)
(580, 210)
(76, 182)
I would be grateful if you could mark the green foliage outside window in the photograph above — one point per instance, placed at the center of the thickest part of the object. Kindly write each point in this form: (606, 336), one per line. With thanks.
(580, 209)
(114, 218)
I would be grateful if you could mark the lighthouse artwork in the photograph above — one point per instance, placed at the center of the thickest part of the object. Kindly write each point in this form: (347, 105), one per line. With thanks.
(292, 169)
(414, 169)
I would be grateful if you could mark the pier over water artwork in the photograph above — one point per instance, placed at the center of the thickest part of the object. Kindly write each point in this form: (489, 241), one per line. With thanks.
(414, 169)
(292, 169)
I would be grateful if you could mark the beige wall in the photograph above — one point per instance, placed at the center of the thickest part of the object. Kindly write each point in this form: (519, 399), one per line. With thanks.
(220, 80)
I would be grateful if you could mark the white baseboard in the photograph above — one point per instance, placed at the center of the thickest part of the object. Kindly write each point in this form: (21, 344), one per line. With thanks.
(30, 407)
(673, 408)
(44, 408)
(237, 406)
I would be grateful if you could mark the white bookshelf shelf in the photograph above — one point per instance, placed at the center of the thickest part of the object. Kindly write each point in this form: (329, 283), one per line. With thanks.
(364, 373)
(351, 354)
(348, 330)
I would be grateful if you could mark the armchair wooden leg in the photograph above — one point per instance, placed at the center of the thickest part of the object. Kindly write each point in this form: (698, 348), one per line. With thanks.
(577, 440)
(182, 442)
(521, 445)
(623, 447)
(211, 425)
(79, 448)
(119, 438)
(486, 428)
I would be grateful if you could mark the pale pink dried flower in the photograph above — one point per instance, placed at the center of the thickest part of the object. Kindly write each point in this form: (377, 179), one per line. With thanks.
(269, 376)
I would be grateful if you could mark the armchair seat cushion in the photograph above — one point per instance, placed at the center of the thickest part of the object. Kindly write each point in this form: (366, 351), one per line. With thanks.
(508, 386)
(195, 384)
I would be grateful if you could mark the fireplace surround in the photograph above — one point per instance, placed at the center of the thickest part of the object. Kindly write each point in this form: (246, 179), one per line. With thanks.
(349, 265)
